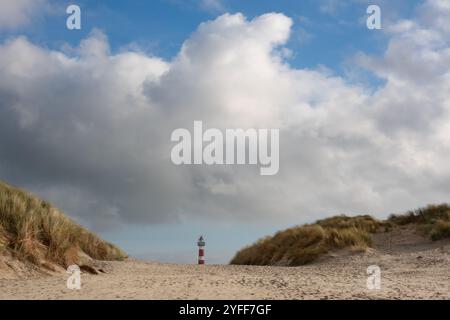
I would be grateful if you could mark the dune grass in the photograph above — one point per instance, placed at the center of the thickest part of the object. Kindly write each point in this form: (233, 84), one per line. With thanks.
(433, 220)
(304, 244)
(34, 230)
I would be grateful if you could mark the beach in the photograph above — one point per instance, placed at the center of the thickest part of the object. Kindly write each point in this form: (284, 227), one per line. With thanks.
(405, 275)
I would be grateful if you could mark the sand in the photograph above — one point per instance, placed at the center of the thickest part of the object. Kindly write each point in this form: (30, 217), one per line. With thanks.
(410, 269)
(406, 276)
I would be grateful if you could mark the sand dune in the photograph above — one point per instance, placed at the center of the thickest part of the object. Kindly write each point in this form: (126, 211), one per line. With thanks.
(407, 273)
(412, 265)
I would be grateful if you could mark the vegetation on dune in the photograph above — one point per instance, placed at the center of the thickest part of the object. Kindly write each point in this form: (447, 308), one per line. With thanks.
(304, 244)
(433, 220)
(34, 230)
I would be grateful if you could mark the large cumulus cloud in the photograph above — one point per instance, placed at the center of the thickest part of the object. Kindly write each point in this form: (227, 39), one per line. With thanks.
(91, 130)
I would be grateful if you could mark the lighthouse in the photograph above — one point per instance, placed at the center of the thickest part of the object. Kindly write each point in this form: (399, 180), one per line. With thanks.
(201, 250)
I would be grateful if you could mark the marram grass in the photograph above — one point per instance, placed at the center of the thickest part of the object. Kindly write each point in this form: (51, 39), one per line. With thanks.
(34, 230)
(304, 244)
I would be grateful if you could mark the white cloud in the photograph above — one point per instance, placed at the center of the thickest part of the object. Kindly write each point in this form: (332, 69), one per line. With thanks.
(212, 5)
(97, 126)
(16, 13)
(436, 13)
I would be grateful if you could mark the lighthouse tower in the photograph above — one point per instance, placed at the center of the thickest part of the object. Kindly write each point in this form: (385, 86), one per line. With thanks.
(201, 250)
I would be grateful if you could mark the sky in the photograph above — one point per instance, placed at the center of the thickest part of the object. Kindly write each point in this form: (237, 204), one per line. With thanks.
(86, 115)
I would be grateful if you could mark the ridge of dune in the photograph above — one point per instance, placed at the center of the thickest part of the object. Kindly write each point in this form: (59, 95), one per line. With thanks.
(423, 228)
(37, 238)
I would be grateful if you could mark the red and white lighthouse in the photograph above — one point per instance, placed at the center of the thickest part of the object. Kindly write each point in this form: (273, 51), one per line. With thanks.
(201, 250)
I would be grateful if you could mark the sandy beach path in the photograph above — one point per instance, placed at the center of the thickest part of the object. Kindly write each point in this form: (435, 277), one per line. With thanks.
(406, 276)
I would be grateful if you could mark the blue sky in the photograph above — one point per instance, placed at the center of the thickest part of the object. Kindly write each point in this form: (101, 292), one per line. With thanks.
(326, 34)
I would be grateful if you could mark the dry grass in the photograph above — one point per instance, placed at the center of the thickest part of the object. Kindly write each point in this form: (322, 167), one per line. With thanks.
(34, 230)
(433, 220)
(304, 244)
